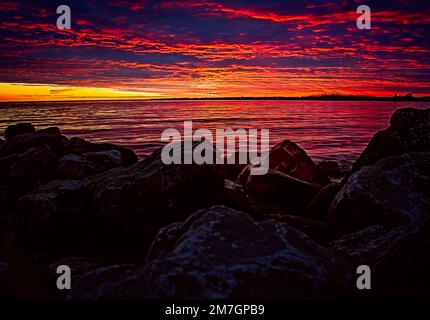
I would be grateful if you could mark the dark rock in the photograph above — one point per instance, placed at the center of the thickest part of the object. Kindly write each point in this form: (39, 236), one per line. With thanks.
(330, 169)
(1, 142)
(221, 253)
(91, 285)
(104, 160)
(318, 208)
(53, 214)
(234, 197)
(398, 257)
(74, 166)
(17, 129)
(79, 266)
(287, 157)
(396, 189)
(31, 166)
(320, 232)
(50, 137)
(282, 190)
(80, 146)
(409, 131)
(143, 197)
(4, 285)
(233, 165)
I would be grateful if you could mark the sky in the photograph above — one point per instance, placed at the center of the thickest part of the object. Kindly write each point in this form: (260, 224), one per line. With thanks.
(120, 49)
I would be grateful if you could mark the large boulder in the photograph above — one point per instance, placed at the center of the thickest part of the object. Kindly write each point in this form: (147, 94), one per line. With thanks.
(74, 166)
(282, 190)
(318, 207)
(320, 232)
(221, 253)
(17, 129)
(409, 131)
(287, 157)
(50, 137)
(80, 146)
(396, 189)
(32, 166)
(53, 214)
(149, 194)
(398, 257)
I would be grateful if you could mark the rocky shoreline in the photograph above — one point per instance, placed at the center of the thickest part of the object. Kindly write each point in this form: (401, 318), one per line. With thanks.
(133, 229)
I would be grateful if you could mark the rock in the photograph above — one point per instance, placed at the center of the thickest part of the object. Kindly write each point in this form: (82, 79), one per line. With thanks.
(50, 137)
(409, 131)
(281, 190)
(396, 189)
(17, 129)
(4, 286)
(30, 167)
(1, 142)
(320, 232)
(5, 194)
(104, 160)
(221, 253)
(233, 167)
(330, 169)
(398, 257)
(234, 197)
(318, 208)
(79, 266)
(74, 166)
(53, 214)
(80, 146)
(91, 285)
(287, 157)
(4, 268)
(143, 197)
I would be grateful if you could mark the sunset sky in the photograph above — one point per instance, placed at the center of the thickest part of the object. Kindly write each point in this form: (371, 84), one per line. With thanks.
(119, 49)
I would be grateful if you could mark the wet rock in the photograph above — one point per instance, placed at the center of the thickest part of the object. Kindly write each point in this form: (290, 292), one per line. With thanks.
(409, 131)
(80, 146)
(143, 197)
(30, 167)
(53, 214)
(287, 157)
(221, 253)
(320, 232)
(318, 208)
(104, 160)
(396, 189)
(17, 129)
(234, 197)
(79, 266)
(50, 137)
(281, 190)
(398, 257)
(91, 286)
(233, 165)
(74, 166)
(330, 169)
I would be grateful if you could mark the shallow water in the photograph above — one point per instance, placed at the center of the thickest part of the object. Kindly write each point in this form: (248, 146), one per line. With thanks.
(332, 130)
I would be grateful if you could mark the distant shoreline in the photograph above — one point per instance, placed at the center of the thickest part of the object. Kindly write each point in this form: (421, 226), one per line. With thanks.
(309, 98)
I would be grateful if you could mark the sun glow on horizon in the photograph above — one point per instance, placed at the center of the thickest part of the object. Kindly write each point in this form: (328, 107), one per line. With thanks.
(10, 92)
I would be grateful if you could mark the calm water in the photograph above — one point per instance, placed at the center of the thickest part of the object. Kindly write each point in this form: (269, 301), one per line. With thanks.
(326, 130)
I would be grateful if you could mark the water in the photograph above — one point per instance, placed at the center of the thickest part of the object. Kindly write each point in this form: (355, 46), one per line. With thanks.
(328, 130)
